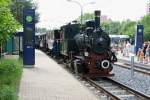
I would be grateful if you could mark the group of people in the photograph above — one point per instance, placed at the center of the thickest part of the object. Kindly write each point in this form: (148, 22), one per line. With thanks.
(143, 53)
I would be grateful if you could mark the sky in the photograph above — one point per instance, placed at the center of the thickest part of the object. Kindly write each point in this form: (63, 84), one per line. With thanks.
(55, 13)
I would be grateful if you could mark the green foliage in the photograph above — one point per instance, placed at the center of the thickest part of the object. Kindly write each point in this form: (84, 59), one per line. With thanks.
(10, 74)
(114, 27)
(146, 22)
(111, 27)
(17, 9)
(106, 25)
(7, 93)
(8, 24)
(8, 66)
(4, 2)
(85, 17)
(128, 28)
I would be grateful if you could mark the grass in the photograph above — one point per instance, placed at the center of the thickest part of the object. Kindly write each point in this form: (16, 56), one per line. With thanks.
(10, 75)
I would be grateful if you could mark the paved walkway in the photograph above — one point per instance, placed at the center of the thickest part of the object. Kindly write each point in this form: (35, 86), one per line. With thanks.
(49, 81)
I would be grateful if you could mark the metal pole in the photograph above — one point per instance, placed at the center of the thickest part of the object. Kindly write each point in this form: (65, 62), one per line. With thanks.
(81, 11)
(81, 15)
(132, 66)
(81, 7)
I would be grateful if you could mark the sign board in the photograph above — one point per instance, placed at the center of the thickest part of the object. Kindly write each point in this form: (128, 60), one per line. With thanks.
(29, 37)
(139, 37)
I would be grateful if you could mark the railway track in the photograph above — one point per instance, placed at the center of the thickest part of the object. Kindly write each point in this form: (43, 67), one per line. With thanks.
(116, 91)
(127, 65)
(137, 65)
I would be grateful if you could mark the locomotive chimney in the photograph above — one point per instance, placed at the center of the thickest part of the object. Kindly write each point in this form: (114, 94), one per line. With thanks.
(97, 18)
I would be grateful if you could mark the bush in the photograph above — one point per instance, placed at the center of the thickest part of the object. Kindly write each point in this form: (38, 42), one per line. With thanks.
(7, 66)
(7, 93)
(10, 75)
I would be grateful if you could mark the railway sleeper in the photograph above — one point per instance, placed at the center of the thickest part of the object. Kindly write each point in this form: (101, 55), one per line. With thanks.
(106, 84)
(127, 97)
(103, 97)
(111, 87)
(118, 92)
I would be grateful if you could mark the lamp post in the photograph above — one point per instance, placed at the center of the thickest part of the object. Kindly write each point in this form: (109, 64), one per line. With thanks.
(81, 7)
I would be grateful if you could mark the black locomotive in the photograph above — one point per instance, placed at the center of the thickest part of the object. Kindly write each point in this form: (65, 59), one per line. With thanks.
(85, 50)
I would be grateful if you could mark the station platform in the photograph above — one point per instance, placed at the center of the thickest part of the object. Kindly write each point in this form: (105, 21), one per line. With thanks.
(49, 81)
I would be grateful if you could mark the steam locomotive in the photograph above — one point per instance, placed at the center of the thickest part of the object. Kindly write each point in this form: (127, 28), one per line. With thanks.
(85, 50)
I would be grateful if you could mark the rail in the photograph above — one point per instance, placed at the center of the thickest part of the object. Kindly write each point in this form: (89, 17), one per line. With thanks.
(116, 90)
(137, 69)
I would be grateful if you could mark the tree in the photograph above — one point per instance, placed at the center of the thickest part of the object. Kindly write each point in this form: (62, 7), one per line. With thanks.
(128, 28)
(146, 22)
(8, 24)
(17, 9)
(85, 17)
(112, 27)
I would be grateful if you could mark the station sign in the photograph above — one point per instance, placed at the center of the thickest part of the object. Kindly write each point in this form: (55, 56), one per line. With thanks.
(139, 37)
(29, 37)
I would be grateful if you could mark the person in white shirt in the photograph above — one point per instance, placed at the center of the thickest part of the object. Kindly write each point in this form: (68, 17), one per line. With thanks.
(128, 45)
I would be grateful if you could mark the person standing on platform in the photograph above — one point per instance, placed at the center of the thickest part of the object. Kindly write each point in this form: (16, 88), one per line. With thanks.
(147, 54)
(138, 54)
(142, 55)
(144, 47)
(128, 45)
(124, 49)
